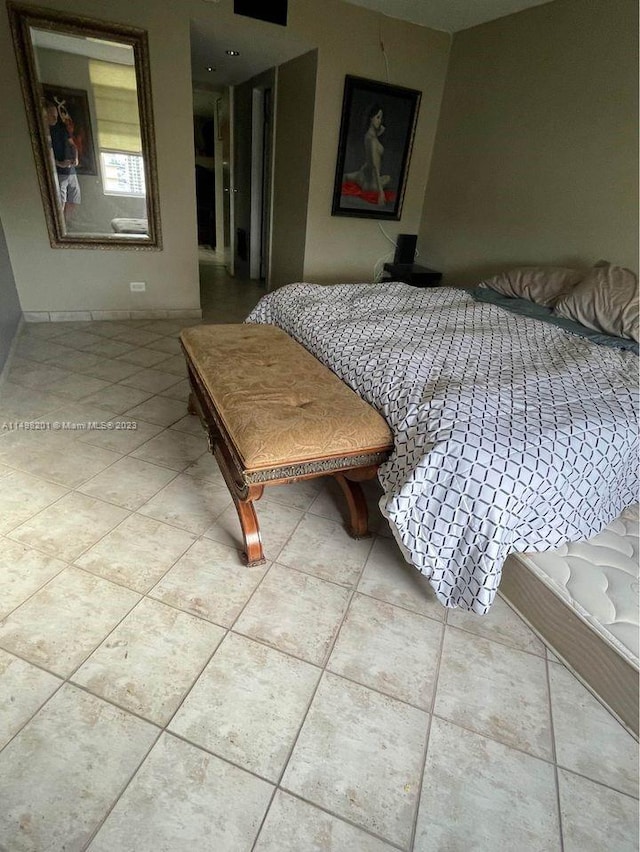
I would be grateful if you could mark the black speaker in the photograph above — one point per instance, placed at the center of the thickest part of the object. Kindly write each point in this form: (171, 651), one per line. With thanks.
(405, 248)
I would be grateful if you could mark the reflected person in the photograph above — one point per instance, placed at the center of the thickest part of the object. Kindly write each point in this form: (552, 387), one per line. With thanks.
(368, 176)
(65, 154)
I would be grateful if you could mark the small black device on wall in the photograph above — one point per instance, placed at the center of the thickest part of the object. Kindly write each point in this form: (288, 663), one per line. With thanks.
(275, 11)
(405, 248)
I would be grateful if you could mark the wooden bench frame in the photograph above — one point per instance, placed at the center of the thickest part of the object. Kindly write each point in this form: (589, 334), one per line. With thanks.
(247, 487)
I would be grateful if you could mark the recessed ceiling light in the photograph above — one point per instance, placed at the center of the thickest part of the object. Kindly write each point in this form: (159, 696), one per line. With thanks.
(232, 52)
(210, 68)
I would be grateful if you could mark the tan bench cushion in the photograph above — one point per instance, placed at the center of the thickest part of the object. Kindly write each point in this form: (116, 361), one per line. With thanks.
(278, 403)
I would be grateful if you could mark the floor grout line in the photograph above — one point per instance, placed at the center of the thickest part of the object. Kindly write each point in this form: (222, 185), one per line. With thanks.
(123, 790)
(554, 755)
(423, 766)
(340, 817)
(321, 676)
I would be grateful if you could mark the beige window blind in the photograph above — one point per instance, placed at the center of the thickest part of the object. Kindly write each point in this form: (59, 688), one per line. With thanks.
(116, 103)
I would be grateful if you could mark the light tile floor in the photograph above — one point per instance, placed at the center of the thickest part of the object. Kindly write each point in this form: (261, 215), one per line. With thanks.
(156, 694)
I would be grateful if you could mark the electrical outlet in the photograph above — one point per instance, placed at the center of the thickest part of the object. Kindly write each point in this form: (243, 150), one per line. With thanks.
(137, 286)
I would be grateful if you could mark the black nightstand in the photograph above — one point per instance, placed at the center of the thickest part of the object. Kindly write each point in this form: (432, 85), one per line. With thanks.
(411, 273)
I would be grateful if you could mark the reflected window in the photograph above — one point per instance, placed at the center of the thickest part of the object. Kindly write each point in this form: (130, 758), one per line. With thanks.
(122, 174)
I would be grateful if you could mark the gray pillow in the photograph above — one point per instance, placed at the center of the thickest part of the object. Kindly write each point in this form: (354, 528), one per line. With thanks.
(543, 285)
(606, 300)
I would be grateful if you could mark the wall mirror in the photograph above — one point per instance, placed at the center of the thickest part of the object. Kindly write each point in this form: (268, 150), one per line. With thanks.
(87, 95)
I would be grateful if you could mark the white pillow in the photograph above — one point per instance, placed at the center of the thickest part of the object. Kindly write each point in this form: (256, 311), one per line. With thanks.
(606, 300)
(543, 285)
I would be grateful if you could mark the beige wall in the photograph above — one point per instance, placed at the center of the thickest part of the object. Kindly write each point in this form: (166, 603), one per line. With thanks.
(536, 153)
(79, 279)
(340, 248)
(337, 249)
(294, 136)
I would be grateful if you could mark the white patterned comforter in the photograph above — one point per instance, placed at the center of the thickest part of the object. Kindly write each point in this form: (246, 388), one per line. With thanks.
(510, 434)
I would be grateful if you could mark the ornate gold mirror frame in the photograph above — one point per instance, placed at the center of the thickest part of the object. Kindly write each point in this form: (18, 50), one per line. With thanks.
(27, 20)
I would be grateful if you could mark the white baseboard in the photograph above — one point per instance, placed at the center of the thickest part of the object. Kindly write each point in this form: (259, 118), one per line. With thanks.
(97, 316)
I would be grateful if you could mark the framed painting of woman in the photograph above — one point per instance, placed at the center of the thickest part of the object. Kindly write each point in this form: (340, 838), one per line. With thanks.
(376, 136)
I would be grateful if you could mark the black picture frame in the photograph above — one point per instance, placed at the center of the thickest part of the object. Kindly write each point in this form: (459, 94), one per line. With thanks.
(73, 110)
(370, 158)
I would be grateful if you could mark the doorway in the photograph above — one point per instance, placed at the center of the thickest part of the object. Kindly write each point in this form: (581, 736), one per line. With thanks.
(261, 182)
(252, 122)
(209, 149)
(253, 232)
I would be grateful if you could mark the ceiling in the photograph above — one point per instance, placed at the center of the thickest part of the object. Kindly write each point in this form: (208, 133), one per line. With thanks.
(262, 45)
(448, 15)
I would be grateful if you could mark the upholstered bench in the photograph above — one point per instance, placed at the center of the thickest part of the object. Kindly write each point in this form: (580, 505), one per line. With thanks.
(274, 414)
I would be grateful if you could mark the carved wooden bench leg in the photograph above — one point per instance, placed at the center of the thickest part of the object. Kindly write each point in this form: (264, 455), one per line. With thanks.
(243, 498)
(253, 551)
(358, 526)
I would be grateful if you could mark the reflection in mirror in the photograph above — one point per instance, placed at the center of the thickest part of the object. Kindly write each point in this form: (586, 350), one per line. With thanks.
(88, 100)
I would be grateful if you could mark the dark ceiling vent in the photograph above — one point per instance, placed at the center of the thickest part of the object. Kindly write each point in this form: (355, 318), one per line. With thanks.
(275, 11)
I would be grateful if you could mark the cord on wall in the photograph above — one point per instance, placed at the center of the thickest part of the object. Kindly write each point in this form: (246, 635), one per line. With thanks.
(378, 268)
(391, 240)
(382, 48)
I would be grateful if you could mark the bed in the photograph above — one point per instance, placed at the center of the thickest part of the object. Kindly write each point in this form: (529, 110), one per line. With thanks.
(510, 434)
(582, 599)
(122, 225)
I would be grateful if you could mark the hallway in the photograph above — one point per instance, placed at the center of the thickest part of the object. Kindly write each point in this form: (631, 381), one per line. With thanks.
(224, 298)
